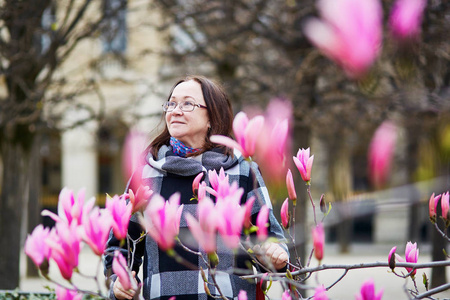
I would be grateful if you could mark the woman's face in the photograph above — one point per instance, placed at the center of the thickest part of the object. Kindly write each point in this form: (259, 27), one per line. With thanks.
(190, 127)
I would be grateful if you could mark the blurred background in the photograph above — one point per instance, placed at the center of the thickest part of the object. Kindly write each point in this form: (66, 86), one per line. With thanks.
(77, 76)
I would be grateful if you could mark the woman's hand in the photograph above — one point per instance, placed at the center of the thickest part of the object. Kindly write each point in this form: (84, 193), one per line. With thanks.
(120, 293)
(271, 253)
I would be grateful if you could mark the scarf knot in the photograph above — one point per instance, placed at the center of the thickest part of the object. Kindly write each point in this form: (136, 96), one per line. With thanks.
(181, 149)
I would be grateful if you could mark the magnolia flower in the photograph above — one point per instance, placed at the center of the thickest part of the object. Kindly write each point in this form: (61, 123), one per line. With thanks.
(96, 228)
(232, 217)
(284, 213)
(391, 258)
(318, 236)
(445, 205)
(291, 187)
(432, 207)
(120, 212)
(273, 146)
(220, 184)
(119, 267)
(304, 164)
(66, 294)
(162, 220)
(367, 292)
(133, 151)
(320, 293)
(204, 230)
(411, 256)
(35, 246)
(248, 212)
(196, 183)
(381, 151)
(246, 132)
(141, 198)
(70, 209)
(272, 149)
(350, 33)
(406, 17)
(261, 223)
(65, 247)
(286, 295)
(242, 295)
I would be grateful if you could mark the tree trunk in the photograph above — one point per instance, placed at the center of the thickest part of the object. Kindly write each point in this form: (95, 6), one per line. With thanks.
(414, 132)
(438, 274)
(340, 178)
(14, 159)
(33, 213)
(301, 140)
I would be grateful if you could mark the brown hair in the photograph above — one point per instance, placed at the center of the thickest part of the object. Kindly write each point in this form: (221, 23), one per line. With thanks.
(220, 115)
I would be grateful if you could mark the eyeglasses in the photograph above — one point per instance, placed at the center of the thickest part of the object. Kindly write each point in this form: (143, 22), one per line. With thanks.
(184, 106)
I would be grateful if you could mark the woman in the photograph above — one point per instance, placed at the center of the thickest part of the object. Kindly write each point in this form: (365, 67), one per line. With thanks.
(196, 109)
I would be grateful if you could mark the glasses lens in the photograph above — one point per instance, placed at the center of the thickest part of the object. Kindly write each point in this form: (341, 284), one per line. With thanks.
(187, 106)
(169, 106)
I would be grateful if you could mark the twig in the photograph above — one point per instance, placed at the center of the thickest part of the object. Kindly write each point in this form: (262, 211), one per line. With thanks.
(436, 290)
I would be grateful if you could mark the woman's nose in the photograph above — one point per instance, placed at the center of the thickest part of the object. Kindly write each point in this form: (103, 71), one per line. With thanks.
(177, 110)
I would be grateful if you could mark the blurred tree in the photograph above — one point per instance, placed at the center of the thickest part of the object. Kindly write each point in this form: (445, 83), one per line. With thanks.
(36, 38)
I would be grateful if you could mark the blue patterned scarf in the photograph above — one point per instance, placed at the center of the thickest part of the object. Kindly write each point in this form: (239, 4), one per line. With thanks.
(181, 149)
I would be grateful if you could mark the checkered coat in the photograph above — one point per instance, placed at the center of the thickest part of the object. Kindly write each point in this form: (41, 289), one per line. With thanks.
(163, 277)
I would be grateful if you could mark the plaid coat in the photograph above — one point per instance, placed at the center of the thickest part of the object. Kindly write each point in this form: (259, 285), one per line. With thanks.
(163, 277)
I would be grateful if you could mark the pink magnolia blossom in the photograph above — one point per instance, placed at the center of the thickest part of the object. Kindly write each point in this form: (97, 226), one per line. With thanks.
(272, 150)
(286, 295)
(70, 209)
(304, 164)
(133, 151)
(406, 17)
(140, 199)
(162, 220)
(261, 223)
(120, 212)
(349, 33)
(35, 246)
(284, 212)
(221, 187)
(242, 295)
(391, 258)
(120, 268)
(66, 294)
(291, 187)
(320, 293)
(318, 236)
(367, 291)
(445, 205)
(273, 146)
(196, 183)
(202, 187)
(248, 212)
(96, 228)
(411, 256)
(232, 217)
(432, 206)
(204, 230)
(65, 247)
(246, 132)
(381, 152)
(220, 183)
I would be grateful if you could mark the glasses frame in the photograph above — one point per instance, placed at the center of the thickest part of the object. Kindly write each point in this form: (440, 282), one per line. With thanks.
(195, 105)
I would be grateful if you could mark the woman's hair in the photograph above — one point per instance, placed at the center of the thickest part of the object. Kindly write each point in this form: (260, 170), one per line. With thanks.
(220, 115)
